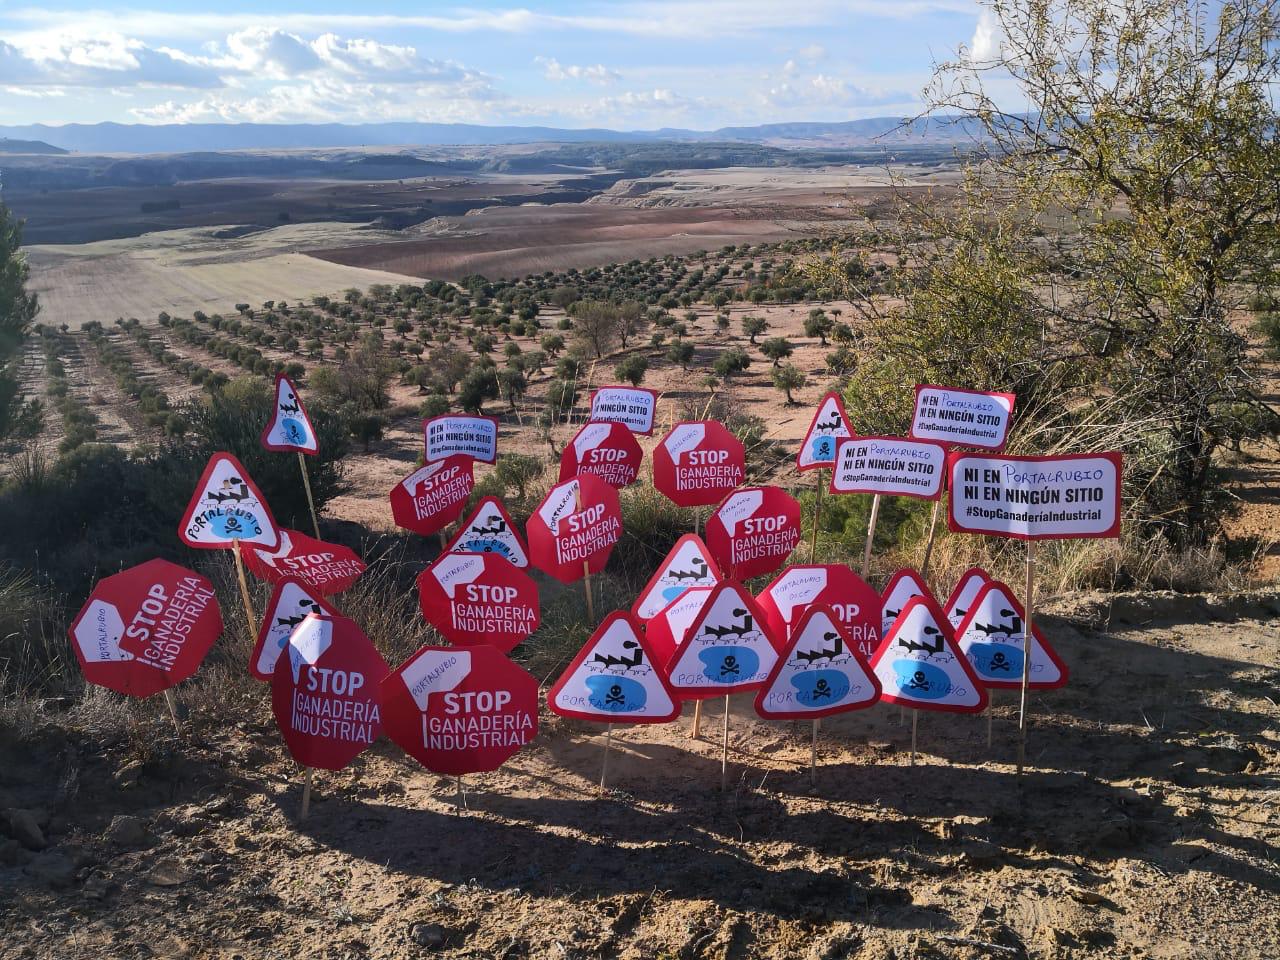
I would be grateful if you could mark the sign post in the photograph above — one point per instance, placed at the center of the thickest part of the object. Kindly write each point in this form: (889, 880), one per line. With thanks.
(829, 426)
(1069, 496)
(290, 429)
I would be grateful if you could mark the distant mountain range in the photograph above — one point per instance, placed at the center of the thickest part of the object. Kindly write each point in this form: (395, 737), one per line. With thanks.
(27, 146)
(192, 137)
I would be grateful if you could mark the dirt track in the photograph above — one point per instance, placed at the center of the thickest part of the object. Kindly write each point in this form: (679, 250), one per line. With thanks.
(1148, 828)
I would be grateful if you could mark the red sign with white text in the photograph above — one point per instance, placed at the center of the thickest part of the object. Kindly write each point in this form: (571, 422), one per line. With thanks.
(698, 463)
(324, 567)
(607, 450)
(433, 496)
(479, 598)
(460, 711)
(754, 531)
(576, 526)
(801, 586)
(146, 629)
(324, 692)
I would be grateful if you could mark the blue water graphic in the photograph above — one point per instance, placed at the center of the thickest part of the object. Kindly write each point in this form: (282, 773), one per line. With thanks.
(921, 680)
(615, 694)
(233, 527)
(487, 546)
(823, 449)
(293, 430)
(819, 688)
(729, 665)
(996, 661)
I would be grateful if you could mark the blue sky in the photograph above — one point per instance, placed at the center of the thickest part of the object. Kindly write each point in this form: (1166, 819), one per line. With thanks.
(626, 64)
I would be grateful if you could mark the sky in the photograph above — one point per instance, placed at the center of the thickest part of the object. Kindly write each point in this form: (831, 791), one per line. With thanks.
(622, 64)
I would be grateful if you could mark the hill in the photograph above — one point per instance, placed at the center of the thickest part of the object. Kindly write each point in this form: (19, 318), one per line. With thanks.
(185, 138)
(28, 146)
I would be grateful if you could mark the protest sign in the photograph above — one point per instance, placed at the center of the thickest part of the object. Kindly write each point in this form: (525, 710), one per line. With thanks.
(461, 435)
(606, 450)
(290, 428)
(818, 672)
(829, 426)
(614, 678)
(687, 564)
(633, 407)
(962, 418)
(902, 586)
(890, 466)
(698, 463)
(490, 529)
(290, 602)
(853, 601)
(326, 568)
(1035, 498)
(459, 711)
(919, 665)
(324, 692)
(754, 531)
(433, 496)
(476, 598)
(962, 595)
(666, 630)
(226, 509)
(992, 637)
(146, 629)
(728, 648)
(573, 530)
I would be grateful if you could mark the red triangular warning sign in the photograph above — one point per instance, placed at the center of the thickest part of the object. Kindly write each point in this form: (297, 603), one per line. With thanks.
(729, 647)
(290, 428)
(962, 595)
(902, 586)
(829, 426)
(688, 564)
(992, 635)
(615, 679)
(227, 508)
(919, 665)
(818, 673)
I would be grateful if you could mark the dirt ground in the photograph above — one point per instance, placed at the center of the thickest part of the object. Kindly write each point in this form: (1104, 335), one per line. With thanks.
(1145, 826)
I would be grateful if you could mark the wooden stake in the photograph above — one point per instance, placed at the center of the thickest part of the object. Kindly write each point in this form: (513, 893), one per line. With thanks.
(457, 803)
(915, 720)
(724, 749)
(813, 755)
(696, 732)
(871, 535)
(1027, 627)
(586, 586)
(306, 482)
(306, 794)
(817, 515)
(608, 742)
(172, 702)
(250, 619)
(928, 545)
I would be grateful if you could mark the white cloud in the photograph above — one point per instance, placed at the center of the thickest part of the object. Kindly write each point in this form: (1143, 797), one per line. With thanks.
(824, 90)
(985, 44)
(553, 69)
(106, 61)
(814, 51)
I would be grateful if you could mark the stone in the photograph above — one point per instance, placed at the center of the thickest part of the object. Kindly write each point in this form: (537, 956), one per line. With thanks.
(126, 831)
(128, 775)
(429, 935)
(24, 826)
(168, 873)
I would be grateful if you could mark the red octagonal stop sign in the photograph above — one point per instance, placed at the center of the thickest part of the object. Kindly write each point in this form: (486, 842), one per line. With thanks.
(753, 531)
(460, 710)
(433, 496)
(325, 568)
(607, 450)
(146, 629)
(577, 524)
(698, 463)
(801, 586)
(324, 692)
(479, 598)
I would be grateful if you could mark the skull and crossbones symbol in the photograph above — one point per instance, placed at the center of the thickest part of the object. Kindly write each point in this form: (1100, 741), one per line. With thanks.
(918, 681)
(730, 666)
(615, 695)
(821, 688)
(1000, 662)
